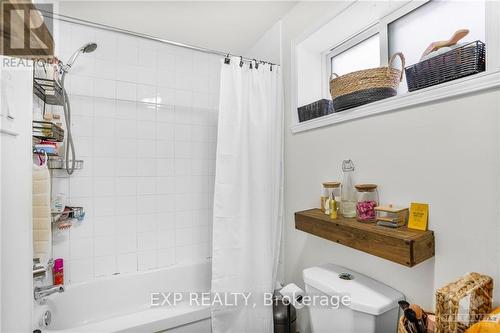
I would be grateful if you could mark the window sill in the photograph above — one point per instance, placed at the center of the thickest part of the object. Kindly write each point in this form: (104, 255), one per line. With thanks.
(464, 86)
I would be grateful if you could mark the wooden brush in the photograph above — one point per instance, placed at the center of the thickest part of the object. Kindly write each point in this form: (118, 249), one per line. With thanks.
(434, 46)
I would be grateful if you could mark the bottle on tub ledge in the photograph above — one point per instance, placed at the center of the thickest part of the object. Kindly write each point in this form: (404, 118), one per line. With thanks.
(347, 193)
(58, 271)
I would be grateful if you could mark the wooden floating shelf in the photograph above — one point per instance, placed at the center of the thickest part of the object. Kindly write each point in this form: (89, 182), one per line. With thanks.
(404, 246)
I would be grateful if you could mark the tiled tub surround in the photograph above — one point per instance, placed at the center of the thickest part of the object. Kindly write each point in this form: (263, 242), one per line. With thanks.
(144, 118)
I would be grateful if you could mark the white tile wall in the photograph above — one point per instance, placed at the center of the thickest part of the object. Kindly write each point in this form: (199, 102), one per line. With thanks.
(144, 120)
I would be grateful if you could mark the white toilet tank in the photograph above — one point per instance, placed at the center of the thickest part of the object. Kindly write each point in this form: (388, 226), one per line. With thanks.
(370, 305)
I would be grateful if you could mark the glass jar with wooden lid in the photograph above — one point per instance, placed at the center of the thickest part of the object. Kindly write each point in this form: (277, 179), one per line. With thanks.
(366, 201)
(330, 189)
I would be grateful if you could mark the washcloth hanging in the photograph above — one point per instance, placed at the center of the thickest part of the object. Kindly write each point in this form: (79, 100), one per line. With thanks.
(42, 232)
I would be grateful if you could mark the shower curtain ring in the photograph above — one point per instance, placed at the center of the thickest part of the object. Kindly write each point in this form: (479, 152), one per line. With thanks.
(227, 60)
(256, 64)
(241, 61)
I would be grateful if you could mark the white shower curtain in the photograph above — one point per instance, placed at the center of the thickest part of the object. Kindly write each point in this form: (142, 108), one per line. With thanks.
(248, 195)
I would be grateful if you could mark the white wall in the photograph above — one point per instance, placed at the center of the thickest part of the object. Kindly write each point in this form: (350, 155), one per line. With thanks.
(446, 154)
(144, 121)
(268, 47)
(16, 250)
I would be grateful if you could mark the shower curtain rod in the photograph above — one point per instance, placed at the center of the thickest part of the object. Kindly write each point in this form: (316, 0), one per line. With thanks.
(75, 20)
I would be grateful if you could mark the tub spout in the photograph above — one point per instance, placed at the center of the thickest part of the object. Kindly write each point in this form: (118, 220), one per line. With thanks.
(41, 292)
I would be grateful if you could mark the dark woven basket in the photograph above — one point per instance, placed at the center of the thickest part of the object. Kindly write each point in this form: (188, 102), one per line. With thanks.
(362, 97)
(314, 110)
(462, 61)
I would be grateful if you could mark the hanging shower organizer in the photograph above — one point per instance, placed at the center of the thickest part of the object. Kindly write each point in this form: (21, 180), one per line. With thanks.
(48, 90)
(66, 218)
(58, 163)
(45, 135)
(48, 131)
(51, 93)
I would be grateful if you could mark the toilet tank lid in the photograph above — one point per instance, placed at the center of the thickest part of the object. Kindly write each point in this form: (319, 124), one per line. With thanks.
(367, 295)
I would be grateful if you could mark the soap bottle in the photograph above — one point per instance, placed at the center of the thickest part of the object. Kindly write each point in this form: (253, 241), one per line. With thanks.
(333, 207)
(58, 203)
(58, 271)
(348, 194)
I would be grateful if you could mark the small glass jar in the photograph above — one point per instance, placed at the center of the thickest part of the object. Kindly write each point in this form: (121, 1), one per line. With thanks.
(330, 189)
(366, 201)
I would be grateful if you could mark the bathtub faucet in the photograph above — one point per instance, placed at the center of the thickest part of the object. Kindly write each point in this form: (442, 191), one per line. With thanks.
(41, 292)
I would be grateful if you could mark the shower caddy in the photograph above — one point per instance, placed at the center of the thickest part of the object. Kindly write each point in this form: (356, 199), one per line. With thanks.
(51, 93)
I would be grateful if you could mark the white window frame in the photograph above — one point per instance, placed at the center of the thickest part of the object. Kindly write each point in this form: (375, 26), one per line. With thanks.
(346, 44)
(482, 81)
(384, 27)
(380, 27)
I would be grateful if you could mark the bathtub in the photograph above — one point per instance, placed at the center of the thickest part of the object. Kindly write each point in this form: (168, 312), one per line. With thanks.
(122, 303)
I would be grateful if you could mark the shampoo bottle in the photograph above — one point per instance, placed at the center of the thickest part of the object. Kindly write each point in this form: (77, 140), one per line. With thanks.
(58, 271)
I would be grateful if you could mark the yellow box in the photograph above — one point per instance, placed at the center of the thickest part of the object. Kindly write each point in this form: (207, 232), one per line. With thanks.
(419, 216)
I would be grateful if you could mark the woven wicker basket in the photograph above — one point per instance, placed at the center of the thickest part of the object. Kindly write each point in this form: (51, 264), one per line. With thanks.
(366, 86)
(459, 62)
(477, 287)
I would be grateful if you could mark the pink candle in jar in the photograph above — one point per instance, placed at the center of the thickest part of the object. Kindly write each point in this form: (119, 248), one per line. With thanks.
(367, 200)
(366, 210)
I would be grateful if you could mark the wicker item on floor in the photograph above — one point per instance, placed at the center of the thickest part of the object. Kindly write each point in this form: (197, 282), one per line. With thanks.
(474, 291)
(366, 86)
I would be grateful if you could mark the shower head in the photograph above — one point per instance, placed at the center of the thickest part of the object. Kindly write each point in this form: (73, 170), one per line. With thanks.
(87, 48)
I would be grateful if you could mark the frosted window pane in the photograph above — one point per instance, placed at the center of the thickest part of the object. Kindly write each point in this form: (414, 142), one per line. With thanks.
(434, 21)
(361, 56)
